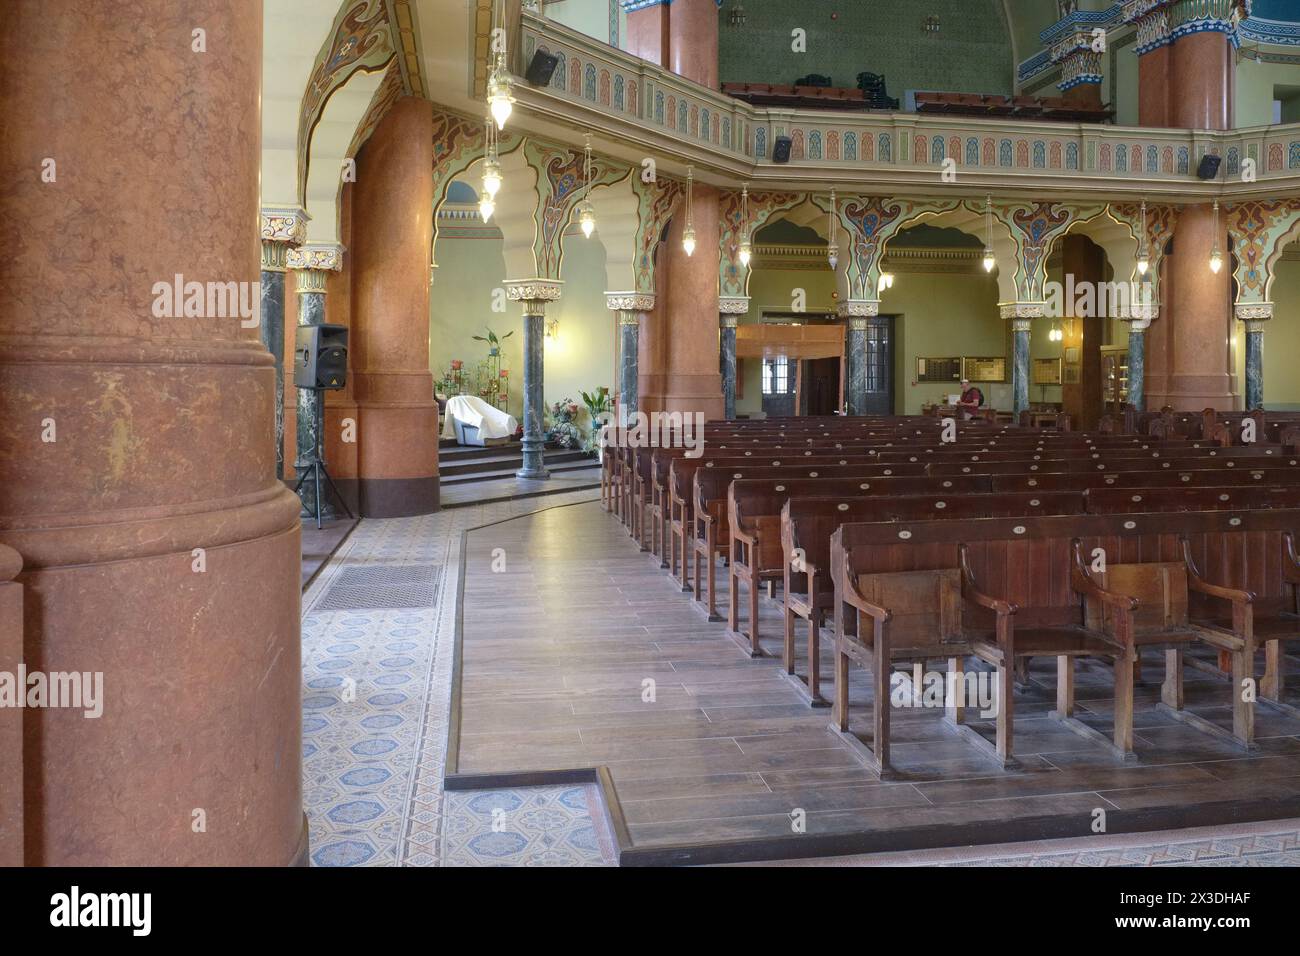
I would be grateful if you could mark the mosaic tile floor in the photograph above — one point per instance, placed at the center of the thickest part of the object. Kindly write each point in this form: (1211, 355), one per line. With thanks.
(376, 686)
(376, 689)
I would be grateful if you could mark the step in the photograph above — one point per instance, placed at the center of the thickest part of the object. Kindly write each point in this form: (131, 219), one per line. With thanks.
(553, 466)
(458, 466)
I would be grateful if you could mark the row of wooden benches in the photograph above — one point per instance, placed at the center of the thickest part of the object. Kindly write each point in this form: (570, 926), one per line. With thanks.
(776, 519)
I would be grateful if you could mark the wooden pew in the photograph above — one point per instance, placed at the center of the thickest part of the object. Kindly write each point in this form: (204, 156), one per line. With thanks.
(1030, 587)
(806, 526)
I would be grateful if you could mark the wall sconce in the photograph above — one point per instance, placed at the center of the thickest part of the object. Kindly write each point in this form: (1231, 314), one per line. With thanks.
(552, 327)
(930, 26)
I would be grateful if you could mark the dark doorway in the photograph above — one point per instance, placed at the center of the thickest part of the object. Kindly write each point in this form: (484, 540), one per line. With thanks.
(820, 394)
(878, 362)
(778, 386)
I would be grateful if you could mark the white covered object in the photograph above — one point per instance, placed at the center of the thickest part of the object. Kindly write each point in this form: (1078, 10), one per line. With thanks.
(471, 410)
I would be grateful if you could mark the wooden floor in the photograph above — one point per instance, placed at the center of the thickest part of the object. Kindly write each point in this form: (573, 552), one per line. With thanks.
(557, 649)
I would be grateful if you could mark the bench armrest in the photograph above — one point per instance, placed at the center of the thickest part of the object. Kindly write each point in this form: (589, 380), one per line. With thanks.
(1291, 565)
(853, 597)
(1198, 583)
(971, 592)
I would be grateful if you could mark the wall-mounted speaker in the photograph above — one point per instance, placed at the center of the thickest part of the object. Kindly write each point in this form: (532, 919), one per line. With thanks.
(1209, 168)
(539, 71)
(781, 149)
(320, 356)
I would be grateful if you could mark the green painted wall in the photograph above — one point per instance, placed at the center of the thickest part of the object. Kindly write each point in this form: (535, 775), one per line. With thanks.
(1281, 341)
(591, 17)
(1258, 84)
(971, 52)
(581, 356)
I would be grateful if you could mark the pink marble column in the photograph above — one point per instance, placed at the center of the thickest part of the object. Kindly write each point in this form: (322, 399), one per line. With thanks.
(137, 468)
(1198, 356)
(691, 380)
(392, 227)
(647, 33)
(1153, 87)
(693, 40)
(1201, 83)
(1198, 362)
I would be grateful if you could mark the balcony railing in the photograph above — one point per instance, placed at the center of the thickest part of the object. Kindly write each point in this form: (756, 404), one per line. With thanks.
(596, 77)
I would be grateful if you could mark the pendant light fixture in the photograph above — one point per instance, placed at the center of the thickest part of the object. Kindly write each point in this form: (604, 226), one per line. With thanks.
(688, 234)
(886, 281)
(1216, 256)
(500, 98)
(832, 248)
(746, 250)
(989, 259)
(736, 17)
(1144, 254)
(586, 212)
(491, 174)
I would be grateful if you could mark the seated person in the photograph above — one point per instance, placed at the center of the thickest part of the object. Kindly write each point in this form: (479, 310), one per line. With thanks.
(971, 399)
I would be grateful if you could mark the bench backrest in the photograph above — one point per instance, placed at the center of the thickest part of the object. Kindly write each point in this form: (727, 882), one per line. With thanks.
(1028, 561)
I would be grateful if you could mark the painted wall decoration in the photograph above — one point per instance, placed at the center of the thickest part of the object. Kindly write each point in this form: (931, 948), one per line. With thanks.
(733, 278)
(361, 39)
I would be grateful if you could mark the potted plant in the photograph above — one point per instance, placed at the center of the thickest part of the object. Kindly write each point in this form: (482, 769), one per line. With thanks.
(599, 408)
(493, 343)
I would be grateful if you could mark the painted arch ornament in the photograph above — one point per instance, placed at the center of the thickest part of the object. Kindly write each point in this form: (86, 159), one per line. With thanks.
(733, 277)
(657, 200)
(360, 40)
(871, 221)
(561, 186)
(1259, 230)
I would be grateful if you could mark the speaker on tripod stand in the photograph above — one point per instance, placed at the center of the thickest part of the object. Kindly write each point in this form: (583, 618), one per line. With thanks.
(320, 364)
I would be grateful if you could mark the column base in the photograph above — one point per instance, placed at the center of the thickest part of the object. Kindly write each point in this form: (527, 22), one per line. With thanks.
(533, 474)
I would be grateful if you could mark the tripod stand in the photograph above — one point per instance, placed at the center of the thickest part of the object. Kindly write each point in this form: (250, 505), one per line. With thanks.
(317, 468)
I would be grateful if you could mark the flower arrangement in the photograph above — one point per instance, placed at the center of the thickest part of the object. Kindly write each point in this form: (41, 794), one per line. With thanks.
(563, 428)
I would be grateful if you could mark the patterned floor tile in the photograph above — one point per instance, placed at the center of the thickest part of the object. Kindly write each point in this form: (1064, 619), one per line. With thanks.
(376, 692)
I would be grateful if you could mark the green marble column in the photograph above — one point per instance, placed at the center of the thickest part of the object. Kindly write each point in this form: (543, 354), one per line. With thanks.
(311, 402)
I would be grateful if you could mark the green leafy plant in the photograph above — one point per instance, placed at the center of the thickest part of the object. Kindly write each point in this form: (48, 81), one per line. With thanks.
(598, 404)
(493, 343)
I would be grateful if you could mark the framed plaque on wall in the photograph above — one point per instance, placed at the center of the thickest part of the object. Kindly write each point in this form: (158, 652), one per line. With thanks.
(991, 368)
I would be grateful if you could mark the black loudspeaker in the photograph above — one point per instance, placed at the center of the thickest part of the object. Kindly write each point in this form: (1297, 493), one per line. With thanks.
(1209, 168)
(781, 149)
(320, 356)
(540, 70)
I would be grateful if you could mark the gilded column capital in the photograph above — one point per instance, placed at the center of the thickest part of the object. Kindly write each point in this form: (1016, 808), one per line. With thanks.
(1022, 311)
(1151, 18)
(287, 224)
(533, 290)
(629, 301)
(857, 324)
(326, 256)
(859, 308)
(733, 304)
(1249, 312)
(1141, 314)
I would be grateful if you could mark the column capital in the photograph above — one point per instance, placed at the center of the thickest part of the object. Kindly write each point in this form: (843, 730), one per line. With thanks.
(728, 320)
(284, 223)
(1201, 16)
(1250, 312)
(857, 324)
(1151, 17)
(1080, 62)
(629, 301)
(733, 304)
(324, 256)
(1022, 310)
(533, 290)
(1141, 314)
(859, 308)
